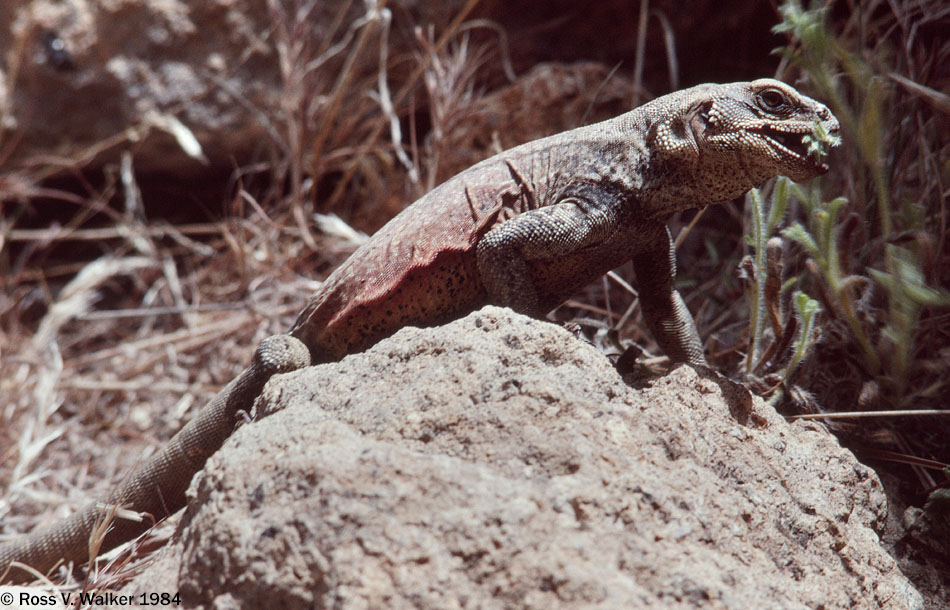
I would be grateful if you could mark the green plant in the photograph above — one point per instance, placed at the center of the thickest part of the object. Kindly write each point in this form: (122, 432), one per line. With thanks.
(845, 294)
(872, 261)
(855, 93)
(820, 242)
(792, 334)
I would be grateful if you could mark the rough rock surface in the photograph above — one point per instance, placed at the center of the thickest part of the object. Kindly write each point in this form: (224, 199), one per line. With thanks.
(499, 462)
(921, 553)
(82, 71)
(79, 73)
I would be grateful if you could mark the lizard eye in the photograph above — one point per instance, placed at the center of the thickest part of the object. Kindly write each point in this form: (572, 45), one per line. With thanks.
(772, 100)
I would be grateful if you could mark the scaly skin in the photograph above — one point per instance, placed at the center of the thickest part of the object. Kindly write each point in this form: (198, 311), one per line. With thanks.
(525, 229)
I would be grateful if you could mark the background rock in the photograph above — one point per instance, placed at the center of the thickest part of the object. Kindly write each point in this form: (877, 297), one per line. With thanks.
(77, 74)
(80, 72)
(500, 462)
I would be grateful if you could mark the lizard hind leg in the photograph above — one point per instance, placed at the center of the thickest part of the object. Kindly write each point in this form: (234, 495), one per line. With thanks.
(280, 354)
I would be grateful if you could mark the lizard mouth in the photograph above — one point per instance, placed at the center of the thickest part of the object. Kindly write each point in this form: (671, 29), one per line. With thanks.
(793, 144)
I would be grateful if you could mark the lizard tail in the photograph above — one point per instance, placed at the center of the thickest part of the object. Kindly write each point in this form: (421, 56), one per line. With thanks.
(158, 486)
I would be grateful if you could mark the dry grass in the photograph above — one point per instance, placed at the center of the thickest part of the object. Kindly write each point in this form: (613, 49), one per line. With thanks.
(122, 353)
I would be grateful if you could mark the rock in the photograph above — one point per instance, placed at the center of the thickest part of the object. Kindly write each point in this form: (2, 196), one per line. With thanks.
(500, 462)
(81, 72)
(105, 74)
(922, 552)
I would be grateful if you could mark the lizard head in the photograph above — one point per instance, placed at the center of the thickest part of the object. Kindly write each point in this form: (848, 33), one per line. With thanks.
(712, 143)
(769, 126)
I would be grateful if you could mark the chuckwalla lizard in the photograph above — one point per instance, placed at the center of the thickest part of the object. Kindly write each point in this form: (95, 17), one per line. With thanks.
(525, 229)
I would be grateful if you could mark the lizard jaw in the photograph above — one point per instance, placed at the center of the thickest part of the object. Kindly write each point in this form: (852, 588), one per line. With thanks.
(790, 142)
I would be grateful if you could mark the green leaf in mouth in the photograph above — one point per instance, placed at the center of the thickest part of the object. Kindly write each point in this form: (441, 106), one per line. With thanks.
(819, 140)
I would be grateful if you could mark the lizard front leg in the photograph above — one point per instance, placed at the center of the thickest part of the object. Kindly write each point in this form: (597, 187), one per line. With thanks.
(549, 232)
(663, 307)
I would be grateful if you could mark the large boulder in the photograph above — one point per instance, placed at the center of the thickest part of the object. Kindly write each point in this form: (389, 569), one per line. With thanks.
(499, 462)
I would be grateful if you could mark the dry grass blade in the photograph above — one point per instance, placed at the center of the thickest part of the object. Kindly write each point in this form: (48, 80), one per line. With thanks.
(407, 88)
(38, 577)
(334, 226)
(871, 414)
(386, 102)
(80, 294)
(939, 100)
(449, 81)
(177, 232)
